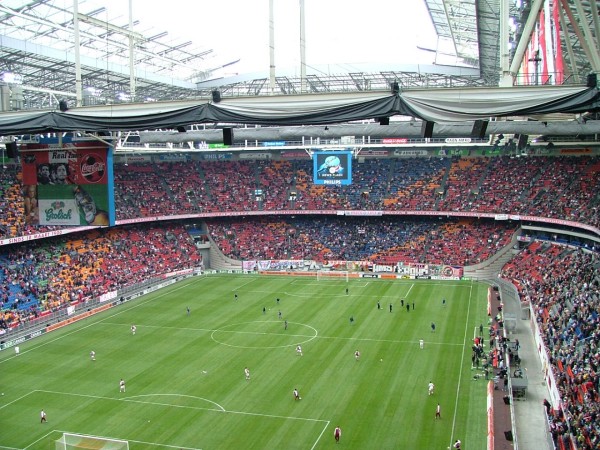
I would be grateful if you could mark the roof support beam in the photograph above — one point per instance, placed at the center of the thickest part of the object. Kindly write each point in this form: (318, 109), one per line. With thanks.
(505, 78)
(88, 35)
(78, 81)
(525, 37)
(588, 41)
(110, 27)
(596, 21)
(567, 41)
(577, 30)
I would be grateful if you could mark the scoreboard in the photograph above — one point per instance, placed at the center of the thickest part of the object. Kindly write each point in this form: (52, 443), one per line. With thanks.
(333, 168)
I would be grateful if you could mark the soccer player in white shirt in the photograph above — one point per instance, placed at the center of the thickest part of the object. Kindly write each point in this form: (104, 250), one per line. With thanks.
(247, 373)
(122, 385)
(299, 350)
(431, 387)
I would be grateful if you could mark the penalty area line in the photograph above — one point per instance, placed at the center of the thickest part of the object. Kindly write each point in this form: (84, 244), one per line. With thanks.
(45, 436)
(320, 435)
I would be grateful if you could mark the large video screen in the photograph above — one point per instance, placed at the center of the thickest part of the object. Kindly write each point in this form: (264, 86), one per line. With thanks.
(332, 167)
(67, 183)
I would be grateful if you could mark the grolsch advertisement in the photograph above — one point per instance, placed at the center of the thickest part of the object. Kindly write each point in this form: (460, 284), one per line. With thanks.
(67, 183)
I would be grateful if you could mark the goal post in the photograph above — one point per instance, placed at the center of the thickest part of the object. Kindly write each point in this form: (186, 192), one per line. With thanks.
(341, 275)
(84, 441)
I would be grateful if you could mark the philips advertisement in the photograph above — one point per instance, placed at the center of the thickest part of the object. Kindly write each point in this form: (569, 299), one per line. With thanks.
(68, 183)
(332, 168)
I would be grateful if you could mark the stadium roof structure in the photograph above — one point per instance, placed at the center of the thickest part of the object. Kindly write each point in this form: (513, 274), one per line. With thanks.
(477, 30)
(127, 78)
(38, 49)
(438, 106)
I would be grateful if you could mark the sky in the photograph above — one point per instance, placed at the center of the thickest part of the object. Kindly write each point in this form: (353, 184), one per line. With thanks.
(339, 33)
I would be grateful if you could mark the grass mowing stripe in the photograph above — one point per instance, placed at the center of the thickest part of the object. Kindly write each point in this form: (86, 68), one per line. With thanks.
(95, 322)
(176, 358)
(289, 334)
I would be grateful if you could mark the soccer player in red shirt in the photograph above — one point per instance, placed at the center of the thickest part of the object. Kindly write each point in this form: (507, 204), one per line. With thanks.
(337, 434)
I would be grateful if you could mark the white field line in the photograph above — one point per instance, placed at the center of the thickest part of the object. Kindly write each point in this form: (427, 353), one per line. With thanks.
(135, 399)
(122, 309)
(462, 357)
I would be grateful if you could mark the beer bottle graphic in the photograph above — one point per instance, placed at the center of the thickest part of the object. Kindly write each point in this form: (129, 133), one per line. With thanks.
(85, 203)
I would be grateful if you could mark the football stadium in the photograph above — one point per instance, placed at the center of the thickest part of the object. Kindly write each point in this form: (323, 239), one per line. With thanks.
(376, 256)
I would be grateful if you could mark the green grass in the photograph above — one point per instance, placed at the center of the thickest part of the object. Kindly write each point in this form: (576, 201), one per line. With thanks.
(185, 373)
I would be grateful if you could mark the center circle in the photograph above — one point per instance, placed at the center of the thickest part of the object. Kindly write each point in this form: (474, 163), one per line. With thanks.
(264, 334)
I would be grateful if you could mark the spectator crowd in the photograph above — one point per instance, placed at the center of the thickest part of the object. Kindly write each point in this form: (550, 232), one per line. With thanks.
(553, 187)
(562, 284)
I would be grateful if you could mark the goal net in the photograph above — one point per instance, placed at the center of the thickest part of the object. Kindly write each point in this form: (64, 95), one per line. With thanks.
(74, 441)
(341, 275)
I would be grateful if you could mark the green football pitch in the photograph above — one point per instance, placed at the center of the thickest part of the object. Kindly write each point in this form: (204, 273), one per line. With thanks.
(184, 372)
